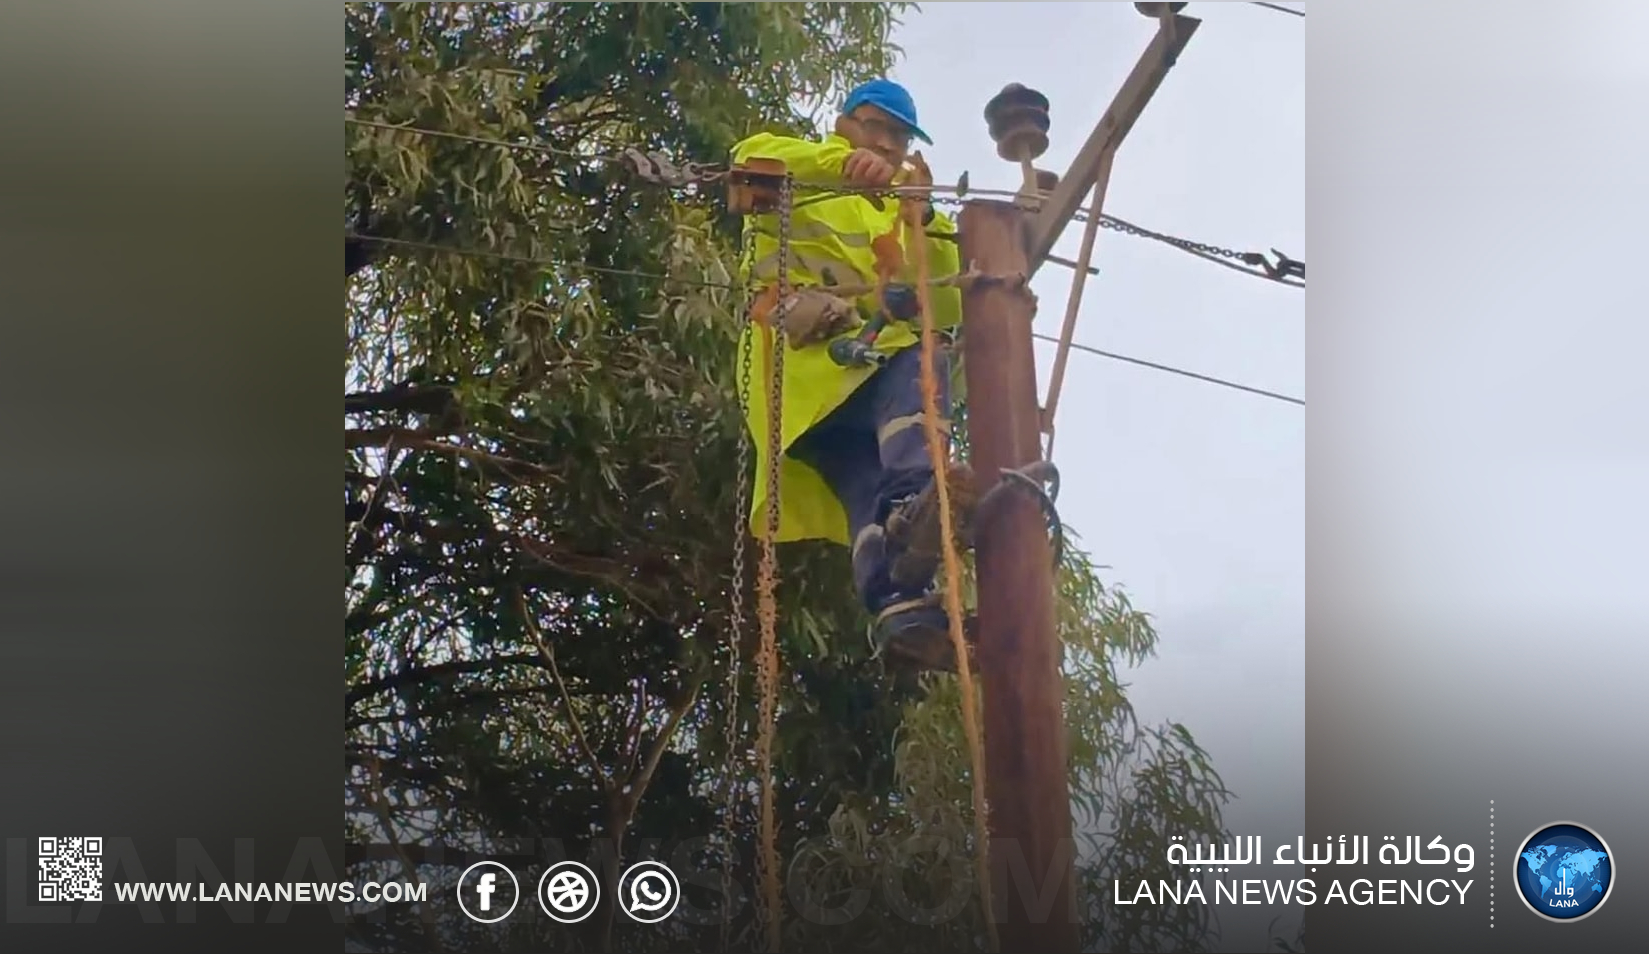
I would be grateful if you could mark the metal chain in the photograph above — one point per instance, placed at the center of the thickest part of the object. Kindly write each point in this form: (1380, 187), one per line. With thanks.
(1284, 268)
(767, 672)
(735, 639)
(1128, 228)
(1282, 271)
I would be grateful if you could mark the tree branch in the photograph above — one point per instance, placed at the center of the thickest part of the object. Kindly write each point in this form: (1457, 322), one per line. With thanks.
(357, 854)
(380, 806)
(437, 671)
(381, 436)
(356, 256)
(632, 742)
(431, 399)
(655, 752)
(603, 569)
(566, 698)
(448, 705)
(424, 440)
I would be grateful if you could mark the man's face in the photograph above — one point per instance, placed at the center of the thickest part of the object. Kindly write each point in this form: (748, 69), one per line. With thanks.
(869, 127)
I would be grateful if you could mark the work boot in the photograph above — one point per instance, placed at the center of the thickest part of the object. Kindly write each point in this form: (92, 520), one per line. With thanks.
(915, 634)
(914, 537)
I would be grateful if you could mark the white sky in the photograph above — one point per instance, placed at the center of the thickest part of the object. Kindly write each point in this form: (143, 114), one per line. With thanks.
(1192, 493)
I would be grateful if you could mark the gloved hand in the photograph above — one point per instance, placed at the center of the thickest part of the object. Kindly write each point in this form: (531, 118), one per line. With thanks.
(901, 302)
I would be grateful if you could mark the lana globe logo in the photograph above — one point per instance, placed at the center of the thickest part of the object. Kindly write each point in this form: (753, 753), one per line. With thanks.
(1564, 871)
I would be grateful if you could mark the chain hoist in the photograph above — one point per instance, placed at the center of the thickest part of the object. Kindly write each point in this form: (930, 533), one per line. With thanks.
(735, 637)
(768, 663)
(759, 187)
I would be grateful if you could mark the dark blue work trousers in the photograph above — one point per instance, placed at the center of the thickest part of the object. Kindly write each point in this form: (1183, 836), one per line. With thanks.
(872, 451)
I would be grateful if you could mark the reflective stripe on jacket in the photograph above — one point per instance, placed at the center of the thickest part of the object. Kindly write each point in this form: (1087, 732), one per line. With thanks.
(827, 235)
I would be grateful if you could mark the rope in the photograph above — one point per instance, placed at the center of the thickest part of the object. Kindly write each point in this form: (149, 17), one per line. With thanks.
(940, 460)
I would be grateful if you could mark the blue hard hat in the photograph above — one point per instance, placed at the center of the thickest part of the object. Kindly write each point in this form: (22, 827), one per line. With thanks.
(890, 98)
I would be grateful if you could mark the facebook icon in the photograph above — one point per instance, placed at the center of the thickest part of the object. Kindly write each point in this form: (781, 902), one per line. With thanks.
(488, 892)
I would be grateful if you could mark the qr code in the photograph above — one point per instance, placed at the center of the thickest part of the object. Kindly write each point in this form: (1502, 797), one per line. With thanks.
(71, 869)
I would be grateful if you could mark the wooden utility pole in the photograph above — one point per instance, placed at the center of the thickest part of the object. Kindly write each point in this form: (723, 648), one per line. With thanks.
(1019, 655)
(1032, 850)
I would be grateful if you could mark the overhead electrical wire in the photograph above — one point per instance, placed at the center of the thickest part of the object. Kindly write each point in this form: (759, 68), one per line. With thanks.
(1278, 7)
(1256, 265)
(1201, 250)
(1173, 370)
(701, 283)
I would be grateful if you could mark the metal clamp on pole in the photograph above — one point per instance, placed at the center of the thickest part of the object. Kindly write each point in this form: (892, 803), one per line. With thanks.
(1285, 267)
(1040, 481)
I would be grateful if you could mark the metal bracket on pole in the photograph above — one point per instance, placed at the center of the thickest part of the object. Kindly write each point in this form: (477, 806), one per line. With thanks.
(1057, 208)
(1073, 302)
(1029, 480)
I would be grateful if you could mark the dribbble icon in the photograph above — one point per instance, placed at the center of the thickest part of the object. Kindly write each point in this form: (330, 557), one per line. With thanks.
(649, 892)
(568, 892)
(1564, 871)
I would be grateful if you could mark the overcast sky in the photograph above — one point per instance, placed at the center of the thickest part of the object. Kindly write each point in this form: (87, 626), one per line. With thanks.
(1192, 493)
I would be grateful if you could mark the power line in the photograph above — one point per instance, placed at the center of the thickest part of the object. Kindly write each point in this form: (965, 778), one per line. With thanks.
(655, 167)
(1172, 370)
(1278, 7)
(480, 140)
(529, 260)
(632, 273)
(659, 172)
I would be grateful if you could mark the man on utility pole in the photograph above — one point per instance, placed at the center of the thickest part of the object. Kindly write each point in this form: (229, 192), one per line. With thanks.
(855, 466)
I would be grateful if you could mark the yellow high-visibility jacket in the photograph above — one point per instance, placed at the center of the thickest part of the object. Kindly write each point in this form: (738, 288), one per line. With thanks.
(834, 233)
